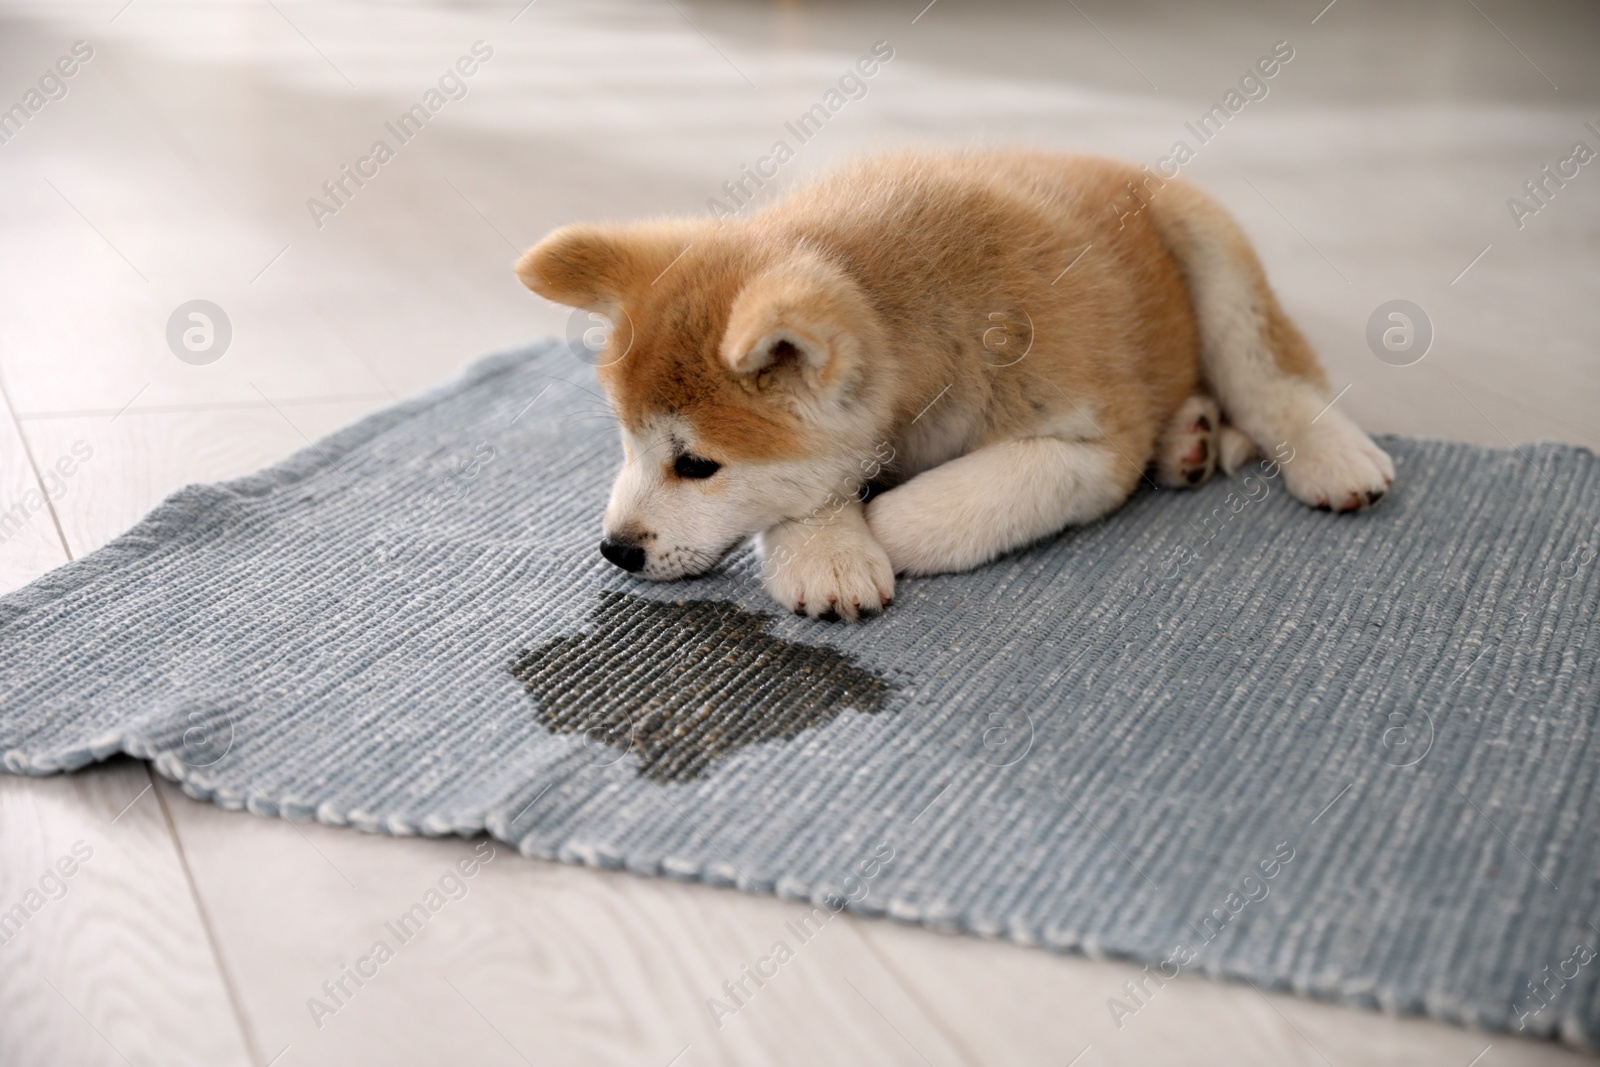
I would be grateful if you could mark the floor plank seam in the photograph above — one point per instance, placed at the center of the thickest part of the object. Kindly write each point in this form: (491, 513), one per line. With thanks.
(968, 1055)
(246, 1031)
(33, 465)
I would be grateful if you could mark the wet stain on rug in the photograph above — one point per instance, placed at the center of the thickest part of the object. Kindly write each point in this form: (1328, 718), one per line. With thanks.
(680, 684)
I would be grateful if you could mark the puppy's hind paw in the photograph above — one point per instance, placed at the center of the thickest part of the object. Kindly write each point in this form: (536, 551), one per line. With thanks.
(1336, 467)
(1188, 450)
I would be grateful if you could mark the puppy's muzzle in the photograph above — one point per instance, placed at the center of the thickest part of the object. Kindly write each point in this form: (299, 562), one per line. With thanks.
(624, 552)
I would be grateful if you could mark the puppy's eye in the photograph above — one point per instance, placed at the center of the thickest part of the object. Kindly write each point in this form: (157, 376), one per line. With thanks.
(691, 466)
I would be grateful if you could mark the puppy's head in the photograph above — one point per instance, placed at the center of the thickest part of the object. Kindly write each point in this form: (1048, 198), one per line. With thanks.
(737, 368)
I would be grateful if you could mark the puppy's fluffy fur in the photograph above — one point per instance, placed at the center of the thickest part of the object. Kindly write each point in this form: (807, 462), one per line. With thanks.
(995, 339)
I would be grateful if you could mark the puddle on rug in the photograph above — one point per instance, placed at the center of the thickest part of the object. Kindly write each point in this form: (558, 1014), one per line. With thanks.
(683, 683)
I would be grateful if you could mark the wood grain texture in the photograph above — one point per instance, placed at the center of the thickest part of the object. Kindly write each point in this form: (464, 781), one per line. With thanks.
(1024, 1007)
(114, 966)
(527, 960)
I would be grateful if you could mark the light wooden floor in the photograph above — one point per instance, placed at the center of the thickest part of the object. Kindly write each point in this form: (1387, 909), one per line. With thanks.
(178, 165)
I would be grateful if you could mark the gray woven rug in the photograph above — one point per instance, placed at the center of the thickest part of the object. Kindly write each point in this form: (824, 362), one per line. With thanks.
(1351, 756)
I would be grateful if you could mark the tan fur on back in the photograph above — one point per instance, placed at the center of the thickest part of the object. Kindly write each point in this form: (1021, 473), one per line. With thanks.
(942, 245)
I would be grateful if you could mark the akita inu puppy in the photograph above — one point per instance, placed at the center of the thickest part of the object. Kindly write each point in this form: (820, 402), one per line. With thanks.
(1002, 342)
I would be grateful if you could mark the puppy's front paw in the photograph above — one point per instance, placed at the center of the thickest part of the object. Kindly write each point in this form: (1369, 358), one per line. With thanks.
(827, 572)
(1336, 467)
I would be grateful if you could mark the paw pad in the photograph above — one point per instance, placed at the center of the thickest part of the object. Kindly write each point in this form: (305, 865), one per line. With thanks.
(1184, 454)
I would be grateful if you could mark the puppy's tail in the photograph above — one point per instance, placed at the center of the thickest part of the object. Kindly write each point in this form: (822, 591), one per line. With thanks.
(1253, 359)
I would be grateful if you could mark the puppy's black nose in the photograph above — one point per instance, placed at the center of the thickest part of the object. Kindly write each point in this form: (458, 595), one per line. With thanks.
(629, 555)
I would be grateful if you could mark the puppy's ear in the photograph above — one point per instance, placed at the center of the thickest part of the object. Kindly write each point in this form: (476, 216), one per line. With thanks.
(597, 266)
(803, 319)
